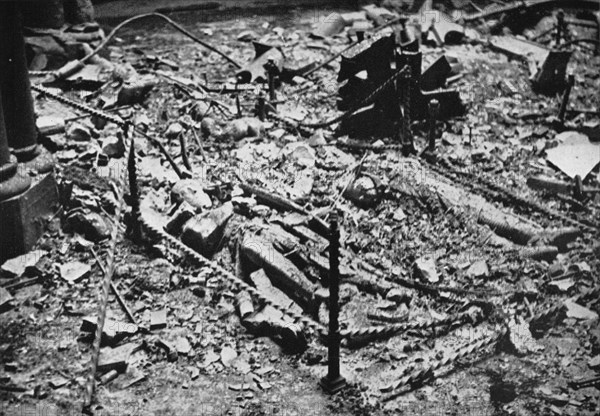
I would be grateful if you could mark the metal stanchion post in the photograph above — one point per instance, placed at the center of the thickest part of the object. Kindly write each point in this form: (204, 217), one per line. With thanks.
(333, 381)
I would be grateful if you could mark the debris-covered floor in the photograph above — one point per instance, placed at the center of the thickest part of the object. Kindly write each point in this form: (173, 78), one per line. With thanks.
(468, 270)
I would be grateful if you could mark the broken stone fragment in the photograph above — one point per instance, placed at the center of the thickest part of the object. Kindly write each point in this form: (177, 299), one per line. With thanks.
(75, 271)
(153, 276)
(579, 312)
(135, 90)
(478, 269)
(243, 127)
(79, 132)
(520, 339)
(116, 358)
(399, 215)
(58, 382)
(199, 110)
(281, 271)
(92, 225)
(247, 36)
(333, 24)
(228, 354)
(208, 127)
(182, 215)
(300, 153)
(262, 282)
(269, 322)
(425, 268)
(192, 192)
(17, 266)
(112, 332)
(108, 377)
(113, 147)
(204, 232)
(183, 346)
(5, 299)
(158, 319)
(168, 348)
(173, 131)
(244, 304)
(363, 192)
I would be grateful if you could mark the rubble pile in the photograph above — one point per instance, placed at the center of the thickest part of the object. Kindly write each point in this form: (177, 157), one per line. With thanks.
(457, 143)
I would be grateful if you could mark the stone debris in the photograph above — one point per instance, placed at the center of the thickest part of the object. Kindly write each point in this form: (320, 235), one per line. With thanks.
(425, 267)
(204, 232)
(74, 272)
(158, 319)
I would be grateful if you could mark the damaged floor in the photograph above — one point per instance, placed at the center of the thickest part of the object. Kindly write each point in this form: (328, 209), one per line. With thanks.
(422, 240)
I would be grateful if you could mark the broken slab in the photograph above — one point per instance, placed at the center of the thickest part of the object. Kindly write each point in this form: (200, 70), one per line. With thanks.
(112, 332)
(576, 155)
(577, 311)
(92, 225)
(204, 232)
(547, 68)
(364, 192)
(158, 319)
(116, 358)
(333, 24)
(228, 355)
(478, 269)
(5, 299)
(168, 348)
(182, 215)
(262, 282)
(281, 271)
(17, 266)
(192, 192)
(183, 346)
(243, 302)
(269, 322)
(425, 268)
(74, 271)
(379, 15)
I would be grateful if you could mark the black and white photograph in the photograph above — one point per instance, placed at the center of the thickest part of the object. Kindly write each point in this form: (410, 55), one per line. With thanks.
(299, 207)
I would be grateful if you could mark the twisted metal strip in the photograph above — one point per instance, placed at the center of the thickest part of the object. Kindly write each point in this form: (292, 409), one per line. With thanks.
(468, 349)
(475, 346)
(237, 282)
(391, 330)
(79, 106)
(354, 109)
(110, 269)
